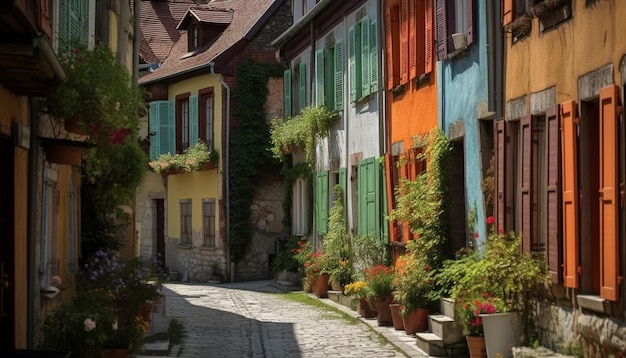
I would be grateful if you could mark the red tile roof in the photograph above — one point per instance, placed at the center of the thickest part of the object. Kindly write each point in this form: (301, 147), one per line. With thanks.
(158, 27)
(211, 16)
(246, 14)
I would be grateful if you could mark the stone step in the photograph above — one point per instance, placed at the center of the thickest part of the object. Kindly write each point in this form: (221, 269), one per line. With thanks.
(446, 307)
(431, 344)
(446, 328)
(339, 297)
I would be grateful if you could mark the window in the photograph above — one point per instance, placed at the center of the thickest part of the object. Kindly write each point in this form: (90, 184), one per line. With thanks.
(208, 222)
(185, 222)
(193, 37)
(453, 17)
(329, 76)
(206, 115)
(49, 240)
(73, 22)
(300, 213)
(409, 42)
(363, 58)
(294, 98)
(186, 121)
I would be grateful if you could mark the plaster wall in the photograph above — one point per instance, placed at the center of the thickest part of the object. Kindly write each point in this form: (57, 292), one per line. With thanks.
(195, 186)
(462, 95)
(588, 41)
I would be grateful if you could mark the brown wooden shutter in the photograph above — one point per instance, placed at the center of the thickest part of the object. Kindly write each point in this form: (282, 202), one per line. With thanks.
(412, 40)
(404, 42)
(554, 246)
(42, 16)
(569, 164)
(470, 21)
(428, 36)
(393, 225)
(609, 190)
(507, 11)
(526, 214)
(389, 48)
(442, 31)
(501, 179)
(420, 30)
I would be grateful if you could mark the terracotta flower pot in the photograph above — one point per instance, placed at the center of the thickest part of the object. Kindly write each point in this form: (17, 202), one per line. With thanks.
(365, 308)
(384, 312)
(476, 346)
(321, 285)
(398, 323)
(416, 321)
(63, 154)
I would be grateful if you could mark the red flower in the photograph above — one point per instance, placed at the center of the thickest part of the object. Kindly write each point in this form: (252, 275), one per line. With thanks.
(476, 235)
(490, 220)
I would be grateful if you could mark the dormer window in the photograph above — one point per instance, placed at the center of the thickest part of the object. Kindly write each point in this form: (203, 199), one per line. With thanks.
(204, 25)
(193, 37)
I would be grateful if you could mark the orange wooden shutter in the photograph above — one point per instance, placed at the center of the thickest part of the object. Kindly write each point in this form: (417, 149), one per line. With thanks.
(609, 189)
(420, 37)
(526, 181)
(412, 40)
(428, 36)
(389, 48)
(500, 146)
(393, 227)
(507, 12)
(569, 163)
(554, 247)
(404, 42)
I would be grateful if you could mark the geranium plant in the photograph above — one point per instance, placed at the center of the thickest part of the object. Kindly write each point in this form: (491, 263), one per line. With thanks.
(99, 92)
(469, 311)
(380, 280)
(192, 159)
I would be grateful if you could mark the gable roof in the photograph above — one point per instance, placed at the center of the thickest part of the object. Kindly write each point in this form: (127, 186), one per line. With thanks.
(248, 17)
(158, 27)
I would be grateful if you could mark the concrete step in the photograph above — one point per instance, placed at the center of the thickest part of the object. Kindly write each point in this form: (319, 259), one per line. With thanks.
(446, 328)
(431, 344)
(446, 307)
(339, 297)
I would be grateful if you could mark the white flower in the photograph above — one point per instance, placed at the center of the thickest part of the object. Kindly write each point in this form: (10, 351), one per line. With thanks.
(114, 326)
(89, 325)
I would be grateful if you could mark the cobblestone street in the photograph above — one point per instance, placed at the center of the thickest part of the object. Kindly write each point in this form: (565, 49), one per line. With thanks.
(252, 319)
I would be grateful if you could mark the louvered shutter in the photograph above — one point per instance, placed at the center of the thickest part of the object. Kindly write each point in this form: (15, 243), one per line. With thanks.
(64, 25)
(389, 191)
(470, 21)
(419, 18)
(442, 30)
(373, 56)
(428, 36)
(569, 162)
(412, 40)
(365, 57)
(507, 12)
(526, 174)
(389, 70)
(501, 172)
(369, 182)
(321, 194)
(154, 126)
(609, 191)
(193, 120)
(553, 242)
(352, 65)
(287, 93)
(162, 128)
(338, 69)
(404, 42)
(319, 77)
(302, 87)
(362, 197)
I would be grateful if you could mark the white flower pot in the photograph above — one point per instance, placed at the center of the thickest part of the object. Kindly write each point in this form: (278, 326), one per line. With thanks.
(503, 331)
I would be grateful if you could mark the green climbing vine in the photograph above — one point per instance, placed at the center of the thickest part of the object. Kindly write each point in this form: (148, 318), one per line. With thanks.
(249, 148)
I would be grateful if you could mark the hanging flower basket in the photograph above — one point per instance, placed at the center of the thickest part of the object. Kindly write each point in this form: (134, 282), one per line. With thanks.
(75, 124)
(63, 153)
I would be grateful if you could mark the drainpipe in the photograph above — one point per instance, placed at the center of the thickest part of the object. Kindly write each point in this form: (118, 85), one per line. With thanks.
(382, 111)
(137, 32)
(499, 60)
(229, 264)
(491, 29)
(32, 219)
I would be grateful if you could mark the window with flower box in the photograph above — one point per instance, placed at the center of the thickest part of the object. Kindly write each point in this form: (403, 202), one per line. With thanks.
(294, 89)
(329, 76)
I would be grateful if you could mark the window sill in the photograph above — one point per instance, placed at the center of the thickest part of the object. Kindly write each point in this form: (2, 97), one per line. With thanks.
(208, 248)
(185, 246)
(594, 303)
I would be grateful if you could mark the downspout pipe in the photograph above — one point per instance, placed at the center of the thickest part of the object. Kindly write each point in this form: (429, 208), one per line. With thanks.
(499, 60)
(491, 29)
(137, 32)
(32, 219)
(229, 263)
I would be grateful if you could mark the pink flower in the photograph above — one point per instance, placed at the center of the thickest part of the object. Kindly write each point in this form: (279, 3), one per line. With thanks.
(490, 220)
(89, 325)
(476, 235)
(56, 280)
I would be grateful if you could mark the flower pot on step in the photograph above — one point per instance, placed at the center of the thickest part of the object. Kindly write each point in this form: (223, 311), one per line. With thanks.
(398, 323)
(476, 346)
(416, 321)
(321, 285)
(384, 312)
(365, 308)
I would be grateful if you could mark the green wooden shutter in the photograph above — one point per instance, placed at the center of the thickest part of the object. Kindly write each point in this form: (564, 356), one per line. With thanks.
(373, 56)
(365, 56)
(319, 77)
(193, 120)
(153, 128)
(64, 24)
(287, 93)
(321, 207)
(362, 197)
(302, 87)
(329, 77)
(352, 63)
(338, 76)
(167, 127)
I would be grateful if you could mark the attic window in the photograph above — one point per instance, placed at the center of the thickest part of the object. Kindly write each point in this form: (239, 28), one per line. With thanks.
(193, 37)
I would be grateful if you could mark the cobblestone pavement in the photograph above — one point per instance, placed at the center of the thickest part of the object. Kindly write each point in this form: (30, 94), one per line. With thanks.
(251, 319)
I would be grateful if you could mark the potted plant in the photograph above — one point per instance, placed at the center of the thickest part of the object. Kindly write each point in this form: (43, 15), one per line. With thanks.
(98, 97)
(319, 266)
(380, 280)
(194, 158)
(122, 335)
(361, 292)
(469, 312)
